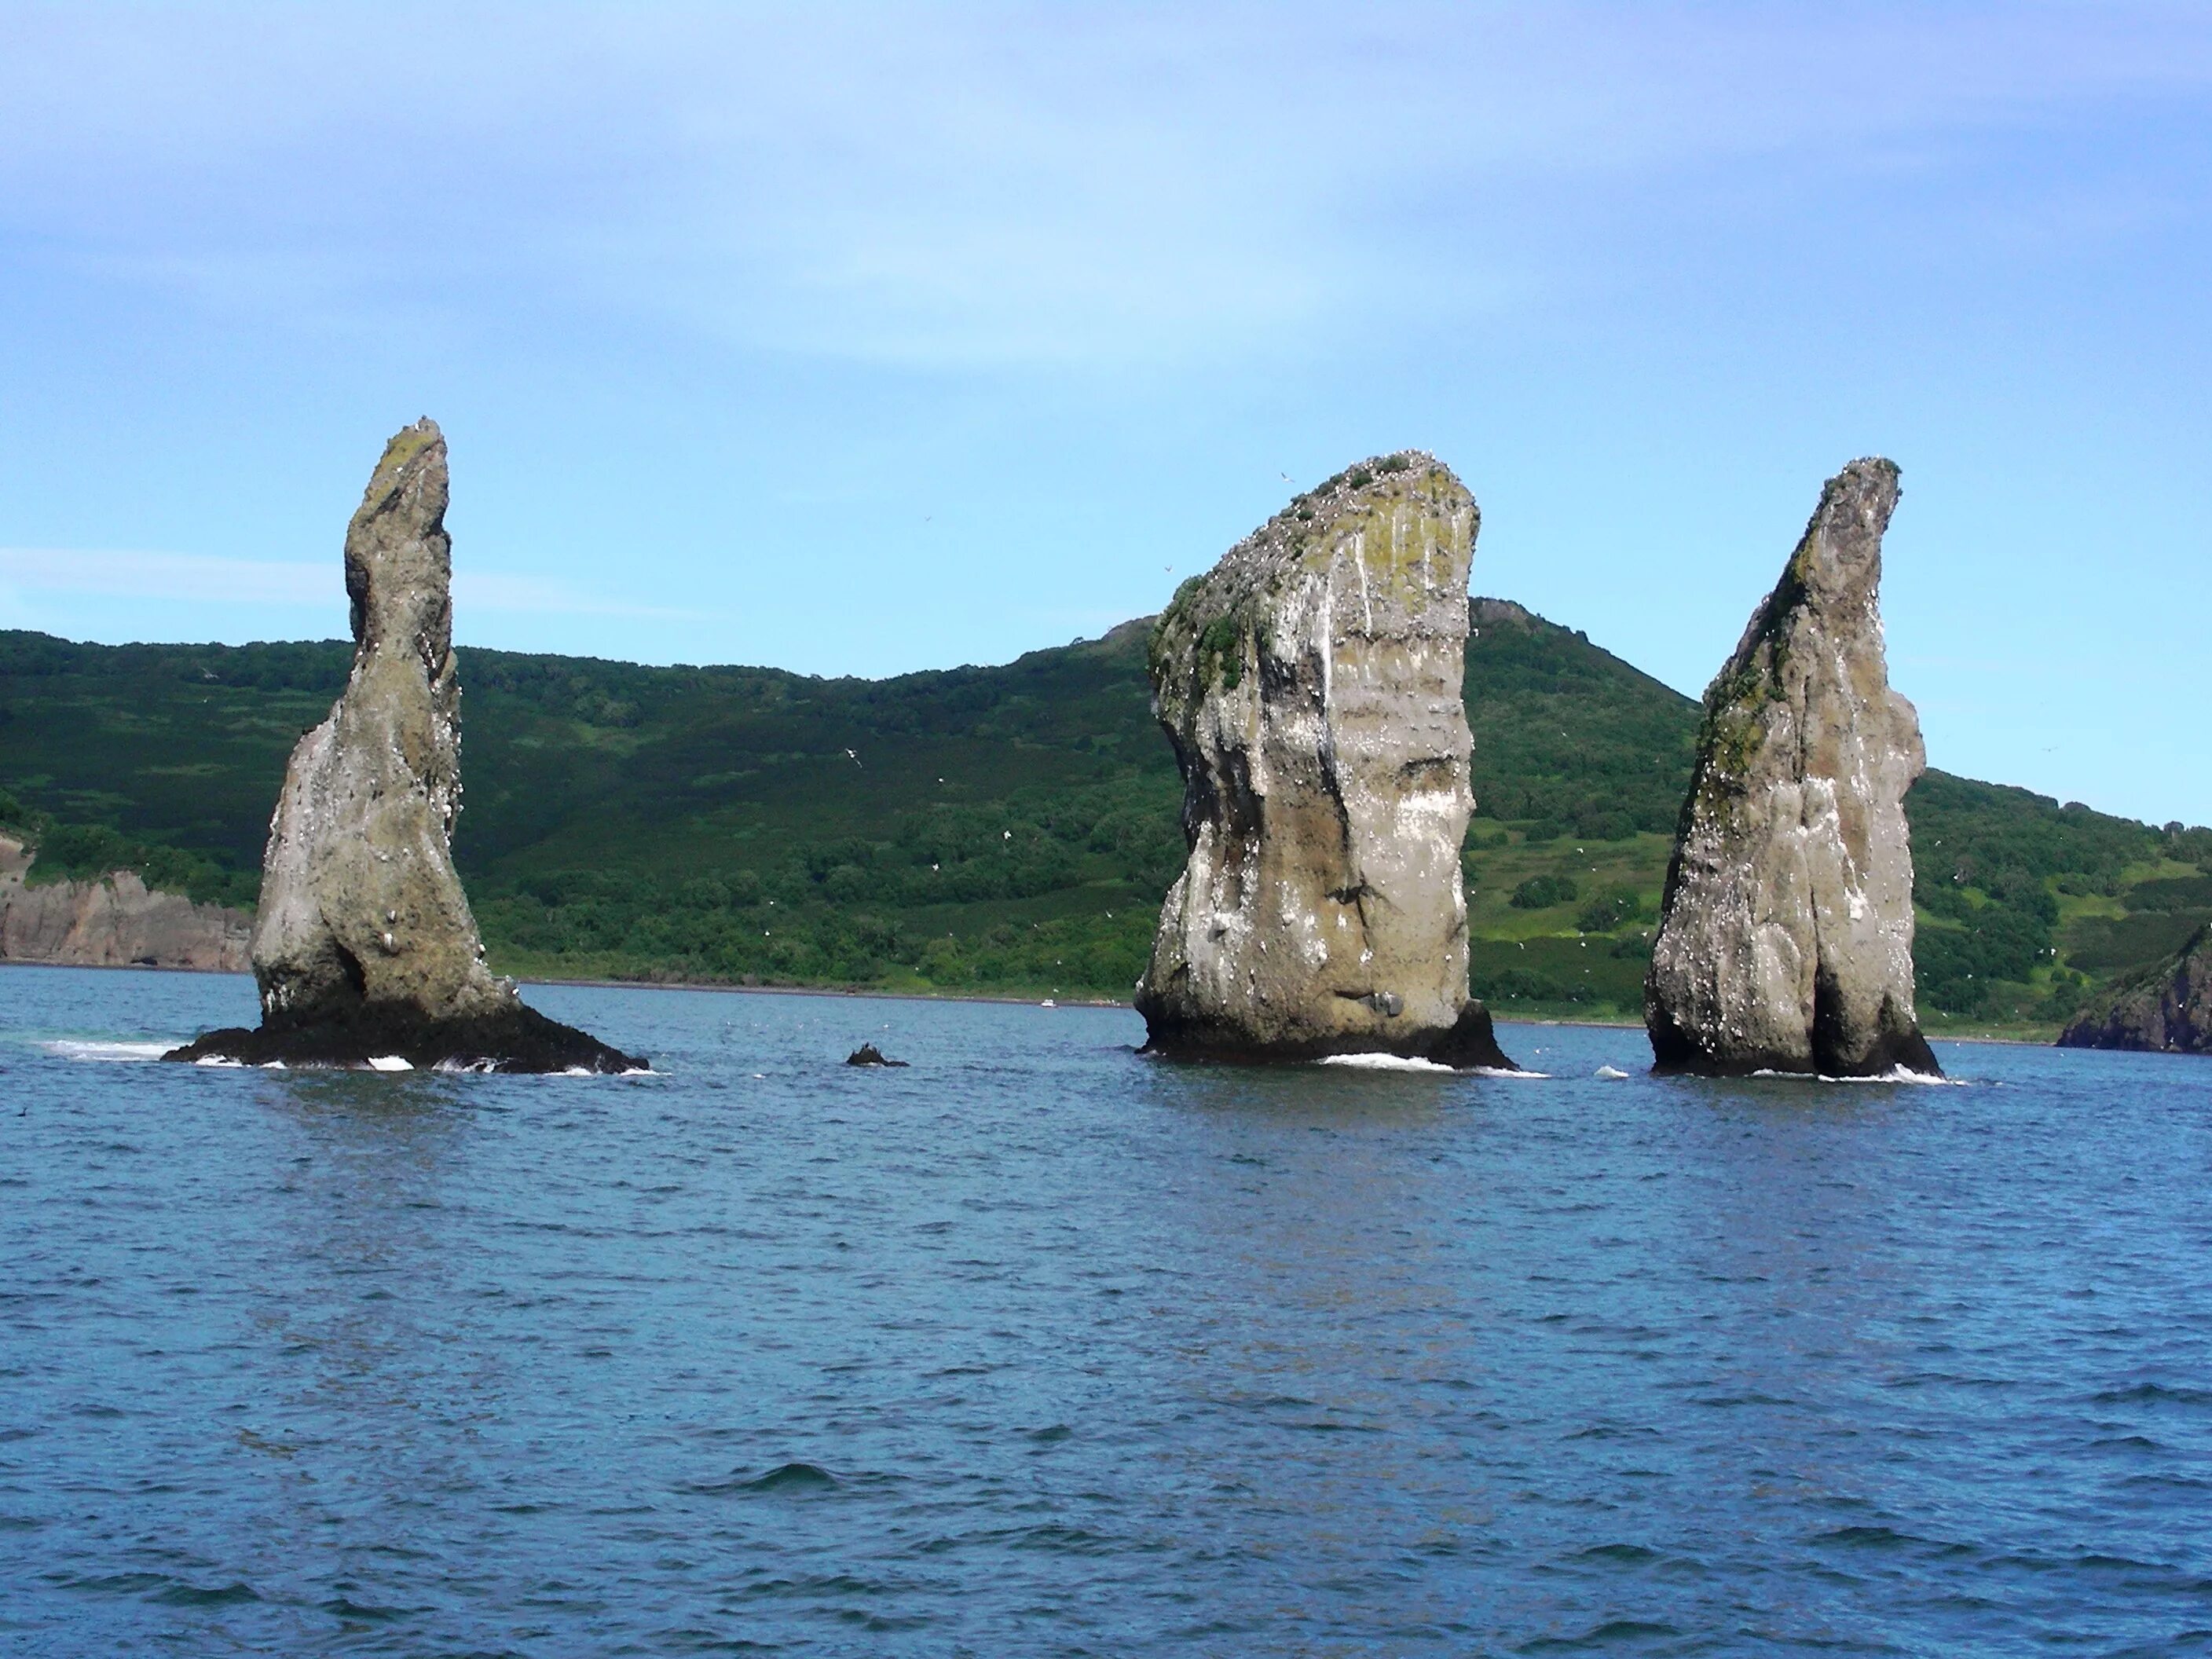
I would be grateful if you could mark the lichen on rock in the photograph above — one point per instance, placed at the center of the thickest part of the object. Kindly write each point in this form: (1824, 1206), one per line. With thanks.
(1310, 684)
(364, 945)
(1785, 939)
(2164, 1009)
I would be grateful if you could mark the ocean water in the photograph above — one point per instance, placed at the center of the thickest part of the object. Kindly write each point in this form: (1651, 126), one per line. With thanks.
(1040, 1347)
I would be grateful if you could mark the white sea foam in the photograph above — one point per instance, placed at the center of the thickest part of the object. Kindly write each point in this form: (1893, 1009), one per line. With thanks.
(1611, 1073)
(1406, 1063)
(1895, 1075)
(219, 1059)
(390, 1063)
(76, 1048)
(490, 1068)
(1385, 1063)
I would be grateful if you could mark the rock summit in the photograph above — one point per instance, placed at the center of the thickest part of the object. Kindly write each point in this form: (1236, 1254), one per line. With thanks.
(1785, 938)
(364, 947)
(1311, 685)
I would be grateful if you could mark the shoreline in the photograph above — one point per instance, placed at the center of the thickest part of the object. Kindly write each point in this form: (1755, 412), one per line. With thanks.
(820, 991)
(916, 996)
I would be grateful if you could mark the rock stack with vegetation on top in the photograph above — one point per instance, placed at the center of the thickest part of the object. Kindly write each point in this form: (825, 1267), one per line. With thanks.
(1785, 938)
(1311, 685)
(2167, 1008)
(364, 946)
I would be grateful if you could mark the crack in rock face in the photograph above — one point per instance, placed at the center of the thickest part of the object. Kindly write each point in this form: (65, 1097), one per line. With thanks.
(2165, 1009)
(1311, 685)
(1785, 939)
(364, 945)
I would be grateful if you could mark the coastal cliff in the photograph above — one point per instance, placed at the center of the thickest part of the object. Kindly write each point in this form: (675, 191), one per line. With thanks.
(2167, 1008)
(115, 921)
(1785, 936)
(365, 946)
(1311, 685)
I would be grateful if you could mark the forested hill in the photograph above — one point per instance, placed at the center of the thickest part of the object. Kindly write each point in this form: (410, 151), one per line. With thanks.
(1008, 828)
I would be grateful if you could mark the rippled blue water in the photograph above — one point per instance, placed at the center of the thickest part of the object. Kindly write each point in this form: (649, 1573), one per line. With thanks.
(1037, 1347)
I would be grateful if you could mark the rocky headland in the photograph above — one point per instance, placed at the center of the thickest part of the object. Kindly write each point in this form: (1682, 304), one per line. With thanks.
(115, 921)
(1311, 686)
(1785, 938)
(365, 947)
(2165, 1009)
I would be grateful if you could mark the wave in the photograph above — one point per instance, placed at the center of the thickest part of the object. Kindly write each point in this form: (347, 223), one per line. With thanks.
(111, 1053)
(1385, 1063)
(1407, 1063)
(1895, 1075)
(784, 1478)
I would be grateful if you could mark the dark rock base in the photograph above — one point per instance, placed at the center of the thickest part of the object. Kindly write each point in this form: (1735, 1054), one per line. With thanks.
(1675, 1055)
(2116, 1033)
(1470, 1044)
(522, 1040)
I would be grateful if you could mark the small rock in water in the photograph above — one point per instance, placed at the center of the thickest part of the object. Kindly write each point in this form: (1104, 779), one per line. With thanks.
(868, 1055)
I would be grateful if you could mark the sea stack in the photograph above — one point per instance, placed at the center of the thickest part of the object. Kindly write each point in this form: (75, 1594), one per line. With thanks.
(1311, 686)
(1785, 938)
(364, 946)
(2166, 1009)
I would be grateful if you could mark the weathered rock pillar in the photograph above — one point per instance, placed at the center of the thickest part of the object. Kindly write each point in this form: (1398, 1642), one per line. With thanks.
(1311, 685)
(364, 945)
(1785, 941)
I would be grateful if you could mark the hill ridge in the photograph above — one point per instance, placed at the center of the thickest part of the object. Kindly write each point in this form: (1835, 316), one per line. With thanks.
(1005, 827)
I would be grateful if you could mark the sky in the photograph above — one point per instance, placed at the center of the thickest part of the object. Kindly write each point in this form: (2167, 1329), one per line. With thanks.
(860, 339)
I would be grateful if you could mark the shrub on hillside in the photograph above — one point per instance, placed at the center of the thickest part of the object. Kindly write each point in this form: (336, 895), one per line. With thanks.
(1609, 910)
(1542, 892)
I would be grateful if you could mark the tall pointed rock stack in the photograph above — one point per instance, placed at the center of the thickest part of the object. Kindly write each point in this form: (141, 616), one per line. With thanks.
(1785, 942)
(364, 946)
(1311, 686)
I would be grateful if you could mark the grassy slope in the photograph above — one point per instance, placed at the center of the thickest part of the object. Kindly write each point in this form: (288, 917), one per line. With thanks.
(1007, 828)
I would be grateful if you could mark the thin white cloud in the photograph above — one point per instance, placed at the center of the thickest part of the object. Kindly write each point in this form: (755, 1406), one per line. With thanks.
(968, 185)
(207, 579)
(189, 577)
(477, 591)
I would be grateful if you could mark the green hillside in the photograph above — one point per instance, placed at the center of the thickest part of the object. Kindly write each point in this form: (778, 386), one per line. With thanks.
(1008, 828)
